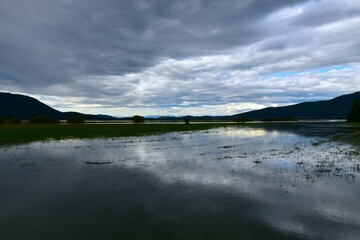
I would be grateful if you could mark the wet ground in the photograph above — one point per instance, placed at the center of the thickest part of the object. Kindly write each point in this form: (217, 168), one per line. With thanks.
(272, 181)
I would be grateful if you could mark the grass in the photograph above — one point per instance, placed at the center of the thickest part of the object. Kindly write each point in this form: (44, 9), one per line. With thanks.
(22, 133)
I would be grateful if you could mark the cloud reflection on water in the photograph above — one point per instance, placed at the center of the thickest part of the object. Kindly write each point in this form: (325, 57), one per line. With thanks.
(278, 169)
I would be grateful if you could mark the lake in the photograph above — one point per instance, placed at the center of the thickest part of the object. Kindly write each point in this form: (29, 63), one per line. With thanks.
(268, 181)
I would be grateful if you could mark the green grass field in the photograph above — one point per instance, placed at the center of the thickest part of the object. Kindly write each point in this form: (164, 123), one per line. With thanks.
(21, 133)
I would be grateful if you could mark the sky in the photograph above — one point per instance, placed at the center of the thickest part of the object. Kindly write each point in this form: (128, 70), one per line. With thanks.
(179, 57)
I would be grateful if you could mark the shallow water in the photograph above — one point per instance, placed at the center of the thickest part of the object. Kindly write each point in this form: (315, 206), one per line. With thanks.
(275, 182)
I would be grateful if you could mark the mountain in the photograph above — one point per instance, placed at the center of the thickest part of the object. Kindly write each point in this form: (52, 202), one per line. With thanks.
(336, 108)
(25, 107)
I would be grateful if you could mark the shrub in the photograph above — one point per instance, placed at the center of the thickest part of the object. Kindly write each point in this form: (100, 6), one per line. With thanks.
(242, 119)
(2, 121)
(354, 115)
(138, 119)
(14, 120)
(187, 121)
(270, 119)
(290, 119)
(43, 119)
(76, 119)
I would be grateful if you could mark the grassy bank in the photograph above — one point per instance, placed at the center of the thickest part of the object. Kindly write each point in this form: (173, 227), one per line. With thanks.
(12, 133)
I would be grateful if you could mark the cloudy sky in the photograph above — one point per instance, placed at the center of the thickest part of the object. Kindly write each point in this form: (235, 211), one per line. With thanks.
(179, 57)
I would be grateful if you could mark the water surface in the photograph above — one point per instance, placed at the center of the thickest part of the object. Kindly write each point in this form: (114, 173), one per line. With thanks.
(275, 182)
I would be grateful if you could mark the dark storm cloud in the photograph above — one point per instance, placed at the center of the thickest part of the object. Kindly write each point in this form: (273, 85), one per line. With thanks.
(165, 53)
(330, 11)
(44, 42)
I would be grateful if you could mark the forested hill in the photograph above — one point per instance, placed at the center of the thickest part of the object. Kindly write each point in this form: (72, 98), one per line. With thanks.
(336, 108)
(25, 107)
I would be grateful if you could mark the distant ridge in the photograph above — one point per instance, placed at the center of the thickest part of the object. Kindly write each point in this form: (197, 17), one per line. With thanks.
(336, 108)
(25, 107)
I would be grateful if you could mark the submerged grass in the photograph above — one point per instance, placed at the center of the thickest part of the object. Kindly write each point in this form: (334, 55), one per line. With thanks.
(11, 133)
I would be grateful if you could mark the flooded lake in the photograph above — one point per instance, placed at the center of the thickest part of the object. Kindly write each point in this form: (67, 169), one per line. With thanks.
(275, 181)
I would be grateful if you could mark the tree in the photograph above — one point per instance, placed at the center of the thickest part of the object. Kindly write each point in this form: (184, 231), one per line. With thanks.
(76, 119)
(14, 120)
(43, 119)
(138, 119)
(242, 119)
(354, 115)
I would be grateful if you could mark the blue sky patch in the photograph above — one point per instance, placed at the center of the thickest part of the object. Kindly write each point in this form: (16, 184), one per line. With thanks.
(318, 70)
(286, 74)
(328, 69)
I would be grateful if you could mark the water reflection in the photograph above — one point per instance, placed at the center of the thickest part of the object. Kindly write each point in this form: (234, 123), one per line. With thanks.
(223, 183)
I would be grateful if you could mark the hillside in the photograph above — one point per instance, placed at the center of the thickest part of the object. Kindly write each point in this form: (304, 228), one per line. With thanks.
(25, 107)
(336, 108)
